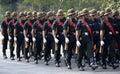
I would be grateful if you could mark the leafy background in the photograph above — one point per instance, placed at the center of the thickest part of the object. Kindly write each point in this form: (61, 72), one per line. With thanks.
(46, 5)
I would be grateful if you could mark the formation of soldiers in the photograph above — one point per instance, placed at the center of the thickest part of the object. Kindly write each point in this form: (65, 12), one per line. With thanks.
(91, 37)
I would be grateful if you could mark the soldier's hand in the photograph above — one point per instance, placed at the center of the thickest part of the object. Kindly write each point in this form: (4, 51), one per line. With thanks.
(2, 37)
(44, 40)
(33, 39)
(15, 39)
(56, 40)
(26, 39)
(66, 40)
(78, 43)
(9, 37)
(102, 43)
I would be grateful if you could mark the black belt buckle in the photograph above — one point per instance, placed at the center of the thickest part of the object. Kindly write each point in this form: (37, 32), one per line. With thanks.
(21, 32)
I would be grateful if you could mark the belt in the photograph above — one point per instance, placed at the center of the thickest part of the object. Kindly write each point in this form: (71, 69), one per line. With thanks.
(21, 32)
(72, 33)
(39, 32)
(96, 32)
(61, 33)
(49, 33)
(85, 33)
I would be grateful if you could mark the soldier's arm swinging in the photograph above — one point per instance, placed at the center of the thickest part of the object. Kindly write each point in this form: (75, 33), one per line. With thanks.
(101, 39)
(25, 33)
(78, 32)
(8, 31)
(15, 32)
(33, 32)
(43, 33)
(65, 35)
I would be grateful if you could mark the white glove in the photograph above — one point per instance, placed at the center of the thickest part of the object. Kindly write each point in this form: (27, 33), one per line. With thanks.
(15, 39)
(2, 37)
(34, 39)
(102, 43)
(78, 43)
(66, 40)
(26, 39)
(9, 37)
(56, 40)
(44, 40)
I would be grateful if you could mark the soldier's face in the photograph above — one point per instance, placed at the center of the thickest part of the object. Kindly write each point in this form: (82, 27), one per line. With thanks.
(109, 15)
(60, 16)
(50, 17)
(22, 18)
(15, 17)
(72, 16)
(31, 17)
(8, 16)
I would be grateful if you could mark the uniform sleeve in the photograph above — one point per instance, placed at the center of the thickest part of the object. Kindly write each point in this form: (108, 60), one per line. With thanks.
(16, 26)
(54, 25)
(2, 25)
(102, 26)
(44, 26)
(66, 24)
(34, 26)
(79, 26)
(9, 26)
(25, 26)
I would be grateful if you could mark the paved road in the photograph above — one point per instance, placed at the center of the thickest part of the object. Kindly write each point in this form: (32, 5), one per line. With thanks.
(14, 67)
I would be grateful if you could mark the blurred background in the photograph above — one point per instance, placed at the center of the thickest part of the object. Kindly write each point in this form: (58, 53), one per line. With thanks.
(54, 5)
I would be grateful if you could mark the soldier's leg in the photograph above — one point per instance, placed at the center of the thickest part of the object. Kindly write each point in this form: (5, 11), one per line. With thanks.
(23, 47)
(104, 56)
(81, 53)
(46, 53)
(112, 54)
(90, 55)
(12, 49)
(57, 54)
(47, 50)
(31, 49)
(26, 51)
(18, 50)
(98, 55)
(118, 50)
(69, 55)
(4, 43)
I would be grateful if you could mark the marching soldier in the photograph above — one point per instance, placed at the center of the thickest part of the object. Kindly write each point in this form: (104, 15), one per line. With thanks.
(33, 20)
(18, 35)
(96, 33)
(4, 33)
(11, 34)
(37, 36)
(84, 37)
(28, 35)
(48, 37)
(69, 33)
(108, 40)
(58, 35)
(116, 23)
